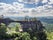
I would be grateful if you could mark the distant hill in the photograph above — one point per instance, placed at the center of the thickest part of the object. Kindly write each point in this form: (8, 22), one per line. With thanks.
(48, 19)
(47, 22)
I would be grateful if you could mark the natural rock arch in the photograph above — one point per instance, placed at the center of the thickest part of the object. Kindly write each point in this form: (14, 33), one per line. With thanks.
(28, 24)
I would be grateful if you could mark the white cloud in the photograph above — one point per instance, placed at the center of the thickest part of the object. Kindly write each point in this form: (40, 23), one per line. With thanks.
(9, 9)
(36, 1)
(18, 5)
(20, 0)
(45, 10)
(17, 9)
(29, 1)
(44, 1)
(51, 2)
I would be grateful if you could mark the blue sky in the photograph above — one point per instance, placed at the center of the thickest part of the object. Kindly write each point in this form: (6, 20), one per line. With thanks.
(7, 1)
(11, 1)
(26, 4)
(40, 7)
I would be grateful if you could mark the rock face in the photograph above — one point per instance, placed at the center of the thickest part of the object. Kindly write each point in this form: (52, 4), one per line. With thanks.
(35, 25)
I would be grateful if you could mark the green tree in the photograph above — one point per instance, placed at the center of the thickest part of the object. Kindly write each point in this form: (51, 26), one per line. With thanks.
(34, 38)
(16, 38)
(3, 29)
(25, 36)
(18, 27)
(34, 19)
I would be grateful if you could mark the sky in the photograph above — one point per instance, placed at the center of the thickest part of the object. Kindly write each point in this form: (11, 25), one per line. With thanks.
(32, 8)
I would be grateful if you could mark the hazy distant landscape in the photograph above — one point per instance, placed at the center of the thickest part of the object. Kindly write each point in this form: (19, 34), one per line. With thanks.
(46, 21)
